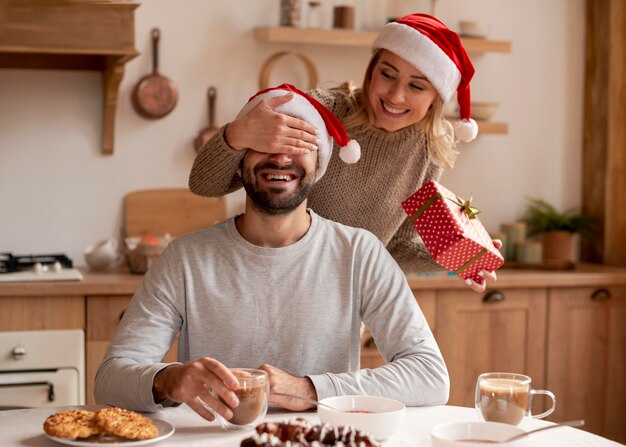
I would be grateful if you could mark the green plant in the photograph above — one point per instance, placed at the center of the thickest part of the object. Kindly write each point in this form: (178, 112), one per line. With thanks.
(542, 217)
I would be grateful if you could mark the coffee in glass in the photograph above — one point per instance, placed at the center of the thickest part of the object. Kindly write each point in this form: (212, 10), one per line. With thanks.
(253, 394)
(507, 397)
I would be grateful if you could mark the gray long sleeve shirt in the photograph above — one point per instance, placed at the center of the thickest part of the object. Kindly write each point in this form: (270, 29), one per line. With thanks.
(298, 308)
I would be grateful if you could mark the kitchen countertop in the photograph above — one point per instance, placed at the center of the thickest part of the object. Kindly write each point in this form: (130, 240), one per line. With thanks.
(121, 282)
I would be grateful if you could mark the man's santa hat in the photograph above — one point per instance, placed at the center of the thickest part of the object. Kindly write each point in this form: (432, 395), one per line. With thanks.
(436, 51)
(307, 108)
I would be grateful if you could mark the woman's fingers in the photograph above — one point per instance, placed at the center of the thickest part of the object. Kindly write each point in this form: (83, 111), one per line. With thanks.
(487, 275)
(299, 129)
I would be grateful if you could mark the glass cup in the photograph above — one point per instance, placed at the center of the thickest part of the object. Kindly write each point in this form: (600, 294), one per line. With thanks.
(507, 397)
(253, 394)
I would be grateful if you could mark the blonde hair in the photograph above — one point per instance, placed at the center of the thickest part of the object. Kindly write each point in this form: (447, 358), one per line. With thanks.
(439, 132)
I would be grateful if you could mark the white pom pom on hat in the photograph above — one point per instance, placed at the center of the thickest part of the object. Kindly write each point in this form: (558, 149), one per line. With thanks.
(307, 108)
(437, 51)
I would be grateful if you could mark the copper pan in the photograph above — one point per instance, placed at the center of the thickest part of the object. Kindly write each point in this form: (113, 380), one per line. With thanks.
(154, 96)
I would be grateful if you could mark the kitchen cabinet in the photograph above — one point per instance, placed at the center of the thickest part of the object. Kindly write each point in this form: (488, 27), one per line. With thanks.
(36, 313)
(350, 38)
(72, 35)
(103, 316)
(586, 357)
(370, 357)
(501, 330)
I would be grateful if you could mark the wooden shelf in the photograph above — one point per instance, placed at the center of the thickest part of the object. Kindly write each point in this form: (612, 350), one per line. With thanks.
(339, 37)
(491, 127)
(72, 35)
(348, 38)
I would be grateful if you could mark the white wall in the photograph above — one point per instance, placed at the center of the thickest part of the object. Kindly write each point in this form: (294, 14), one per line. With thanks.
(58, 193)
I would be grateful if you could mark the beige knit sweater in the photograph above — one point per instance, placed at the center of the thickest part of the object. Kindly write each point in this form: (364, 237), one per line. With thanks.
(367, 194)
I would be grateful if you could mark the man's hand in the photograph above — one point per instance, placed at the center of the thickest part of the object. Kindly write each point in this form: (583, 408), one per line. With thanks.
(265, 130)
(283, 382)
(489, 276)
(191, 381)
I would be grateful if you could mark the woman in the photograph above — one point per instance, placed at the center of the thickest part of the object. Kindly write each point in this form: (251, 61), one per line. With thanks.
(397, 118)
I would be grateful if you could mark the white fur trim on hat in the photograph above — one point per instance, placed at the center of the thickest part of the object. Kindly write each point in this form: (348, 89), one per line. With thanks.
(423, 54)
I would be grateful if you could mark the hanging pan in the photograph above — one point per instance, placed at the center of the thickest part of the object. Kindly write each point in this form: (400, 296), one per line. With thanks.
(154, 95)
(205, 134)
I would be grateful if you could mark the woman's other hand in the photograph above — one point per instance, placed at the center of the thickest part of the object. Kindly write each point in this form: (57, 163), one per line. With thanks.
(265, 130)
(489, 276)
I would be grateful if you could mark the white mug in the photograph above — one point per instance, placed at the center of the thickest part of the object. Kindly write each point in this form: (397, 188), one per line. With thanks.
(103, 254)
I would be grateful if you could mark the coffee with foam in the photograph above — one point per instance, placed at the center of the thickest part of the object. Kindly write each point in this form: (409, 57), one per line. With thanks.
(507, 397)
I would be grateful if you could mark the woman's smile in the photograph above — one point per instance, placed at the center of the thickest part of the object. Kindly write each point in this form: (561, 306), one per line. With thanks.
(391, 110)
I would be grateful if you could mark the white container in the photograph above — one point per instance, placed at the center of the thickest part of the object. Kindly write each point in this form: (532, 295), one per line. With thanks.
(378, 416)
(461, 434)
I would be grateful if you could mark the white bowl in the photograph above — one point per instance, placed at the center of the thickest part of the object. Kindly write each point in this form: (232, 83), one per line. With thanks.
(483, 110)
(379, 416)
(451, 434)
(472, 28)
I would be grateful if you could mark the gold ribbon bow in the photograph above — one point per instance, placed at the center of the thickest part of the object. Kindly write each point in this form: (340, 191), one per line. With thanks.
(470, 210)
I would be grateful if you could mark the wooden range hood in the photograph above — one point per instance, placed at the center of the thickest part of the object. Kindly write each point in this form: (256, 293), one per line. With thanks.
(72, 35)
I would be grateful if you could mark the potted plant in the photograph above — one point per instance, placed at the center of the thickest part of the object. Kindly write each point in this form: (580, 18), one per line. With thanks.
(558, 230)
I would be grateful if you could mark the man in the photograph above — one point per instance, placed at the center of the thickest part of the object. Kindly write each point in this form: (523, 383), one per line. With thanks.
(278, 288)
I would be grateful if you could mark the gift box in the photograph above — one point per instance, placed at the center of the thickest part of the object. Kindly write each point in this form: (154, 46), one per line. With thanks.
(452, 233)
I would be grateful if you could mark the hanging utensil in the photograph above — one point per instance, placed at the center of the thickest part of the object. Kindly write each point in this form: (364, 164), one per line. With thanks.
(205, 134)
(154, 96)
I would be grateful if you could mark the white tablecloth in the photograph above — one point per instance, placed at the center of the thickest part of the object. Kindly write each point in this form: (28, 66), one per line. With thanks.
(23, 428)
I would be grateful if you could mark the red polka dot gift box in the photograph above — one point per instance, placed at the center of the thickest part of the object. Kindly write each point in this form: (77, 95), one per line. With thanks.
(452, 233)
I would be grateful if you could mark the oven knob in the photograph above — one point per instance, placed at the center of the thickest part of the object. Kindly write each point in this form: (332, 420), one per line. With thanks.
(19, 352)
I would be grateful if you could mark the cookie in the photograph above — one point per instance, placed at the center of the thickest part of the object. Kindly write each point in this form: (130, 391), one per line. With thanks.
(126, 424)
(72, 424)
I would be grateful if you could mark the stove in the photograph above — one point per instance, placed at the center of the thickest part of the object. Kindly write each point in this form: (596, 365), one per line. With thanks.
(53, 267)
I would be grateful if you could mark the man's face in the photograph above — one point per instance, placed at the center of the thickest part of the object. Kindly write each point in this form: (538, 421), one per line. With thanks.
(278, 183)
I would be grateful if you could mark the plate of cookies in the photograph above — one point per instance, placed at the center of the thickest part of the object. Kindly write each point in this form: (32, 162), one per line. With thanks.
(83, 428)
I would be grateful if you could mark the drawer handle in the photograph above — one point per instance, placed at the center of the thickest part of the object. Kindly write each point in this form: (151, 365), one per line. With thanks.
(494, 297)
(19, 352)
(50, 386)
(601, 295)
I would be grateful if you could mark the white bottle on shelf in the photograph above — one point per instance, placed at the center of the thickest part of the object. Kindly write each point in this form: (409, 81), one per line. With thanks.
(314, 14)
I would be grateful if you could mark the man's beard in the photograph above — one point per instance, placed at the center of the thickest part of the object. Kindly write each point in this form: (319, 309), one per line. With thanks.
(275, 201)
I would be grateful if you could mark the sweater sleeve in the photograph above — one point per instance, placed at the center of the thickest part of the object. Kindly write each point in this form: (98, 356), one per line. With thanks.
(416, 373)
(215, 171)
(144, 336)
(409, 251)
(407, 247)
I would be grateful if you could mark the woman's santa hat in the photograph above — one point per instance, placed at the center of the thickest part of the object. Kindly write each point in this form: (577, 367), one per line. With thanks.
(312, 111)
(436, 51)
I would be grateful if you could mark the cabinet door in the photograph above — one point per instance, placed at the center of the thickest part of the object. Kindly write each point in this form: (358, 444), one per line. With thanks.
(33, 313)
(500, 330)
(370, 357)
(587, 358)
(103, 316)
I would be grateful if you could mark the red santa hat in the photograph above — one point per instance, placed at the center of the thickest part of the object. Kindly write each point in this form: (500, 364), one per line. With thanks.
(312, 111)
(436, 51)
